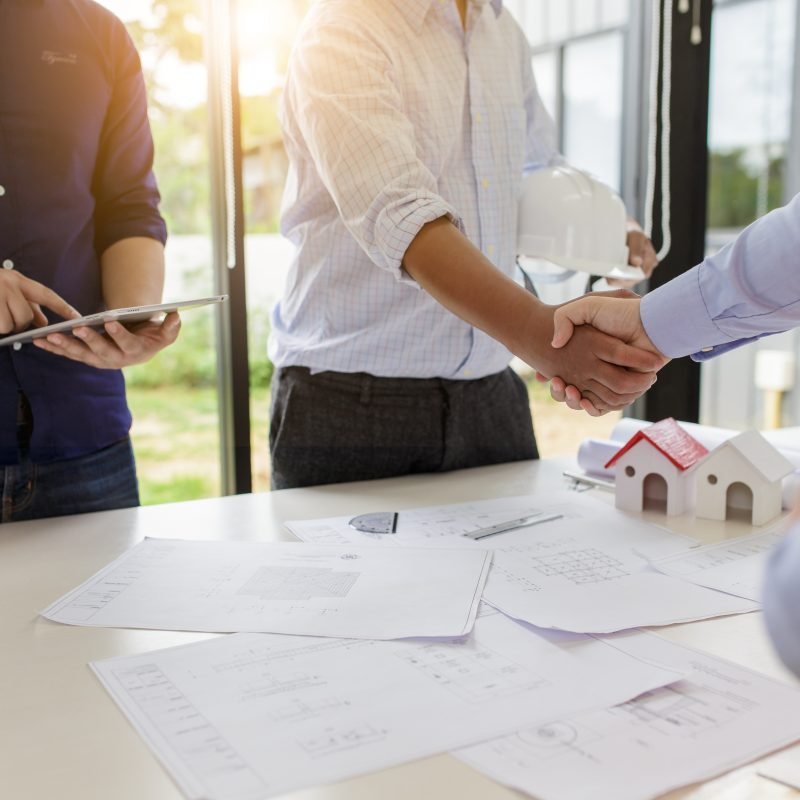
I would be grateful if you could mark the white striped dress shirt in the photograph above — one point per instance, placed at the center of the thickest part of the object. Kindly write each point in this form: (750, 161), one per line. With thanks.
(394, 116)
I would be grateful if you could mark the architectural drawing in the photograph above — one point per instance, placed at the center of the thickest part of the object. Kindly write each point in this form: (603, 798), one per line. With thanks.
(252, 716)
(476, 675)
(719, 717)
(298, 583)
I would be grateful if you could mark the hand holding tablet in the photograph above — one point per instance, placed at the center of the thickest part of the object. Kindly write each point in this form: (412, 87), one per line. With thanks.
(125, 316)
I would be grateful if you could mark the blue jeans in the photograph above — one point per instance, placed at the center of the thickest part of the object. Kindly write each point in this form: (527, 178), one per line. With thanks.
(98, 481)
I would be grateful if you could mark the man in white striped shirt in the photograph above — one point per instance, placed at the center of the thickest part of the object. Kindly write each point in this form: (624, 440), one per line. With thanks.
(409, 125)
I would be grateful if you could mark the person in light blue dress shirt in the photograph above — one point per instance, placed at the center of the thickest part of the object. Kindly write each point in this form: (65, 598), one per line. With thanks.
(781, 599)
(749, 289)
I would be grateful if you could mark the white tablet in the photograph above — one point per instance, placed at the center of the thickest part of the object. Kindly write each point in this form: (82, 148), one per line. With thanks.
(124, 315)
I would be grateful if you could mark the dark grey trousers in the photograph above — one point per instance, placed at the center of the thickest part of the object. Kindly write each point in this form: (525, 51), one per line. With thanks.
(335, 427)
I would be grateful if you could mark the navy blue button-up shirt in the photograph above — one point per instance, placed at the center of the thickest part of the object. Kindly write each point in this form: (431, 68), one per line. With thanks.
(76, 158)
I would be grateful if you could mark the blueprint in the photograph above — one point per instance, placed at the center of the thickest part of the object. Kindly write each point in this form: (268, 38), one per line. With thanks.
(592, 580)
(436, 526)
(586, 571)
(720, 717)
(251, 716)
(354, 592)
(735, 566)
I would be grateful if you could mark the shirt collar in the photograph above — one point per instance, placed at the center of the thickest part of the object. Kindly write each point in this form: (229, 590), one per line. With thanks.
(415, 11)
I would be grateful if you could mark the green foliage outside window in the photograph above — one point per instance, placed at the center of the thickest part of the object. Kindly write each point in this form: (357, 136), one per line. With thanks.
(733, 188)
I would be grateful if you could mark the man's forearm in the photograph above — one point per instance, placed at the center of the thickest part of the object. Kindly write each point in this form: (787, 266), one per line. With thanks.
(133, 272)
(611, 373)
(453, 271)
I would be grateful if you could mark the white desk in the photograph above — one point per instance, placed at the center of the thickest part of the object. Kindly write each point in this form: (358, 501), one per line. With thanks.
(62, 737)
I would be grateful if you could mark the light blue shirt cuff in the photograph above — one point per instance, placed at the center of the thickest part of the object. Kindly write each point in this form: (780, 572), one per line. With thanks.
(677, 321)
(708, 353)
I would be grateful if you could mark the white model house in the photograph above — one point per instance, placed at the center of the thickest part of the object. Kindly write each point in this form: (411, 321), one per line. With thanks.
(653, 469)
(745, 472)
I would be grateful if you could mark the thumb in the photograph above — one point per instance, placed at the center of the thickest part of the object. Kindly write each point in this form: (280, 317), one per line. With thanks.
(564, 321)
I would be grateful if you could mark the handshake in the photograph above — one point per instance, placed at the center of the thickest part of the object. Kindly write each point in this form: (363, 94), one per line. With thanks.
(600, 356)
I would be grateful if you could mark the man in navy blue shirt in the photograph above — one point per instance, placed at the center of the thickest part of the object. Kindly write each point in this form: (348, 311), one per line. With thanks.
(79, 230)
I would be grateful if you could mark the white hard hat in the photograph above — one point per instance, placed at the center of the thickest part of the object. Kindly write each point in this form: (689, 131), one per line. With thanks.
(575, 222)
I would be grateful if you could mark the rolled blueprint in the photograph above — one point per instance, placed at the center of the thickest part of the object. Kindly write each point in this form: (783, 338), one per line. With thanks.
(594, 454)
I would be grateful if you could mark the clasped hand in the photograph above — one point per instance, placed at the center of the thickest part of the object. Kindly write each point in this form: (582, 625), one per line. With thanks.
(609, 373)
(590, 321)
(615, 315)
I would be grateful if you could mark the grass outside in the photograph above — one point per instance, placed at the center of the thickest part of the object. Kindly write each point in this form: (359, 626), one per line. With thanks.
(176, 437)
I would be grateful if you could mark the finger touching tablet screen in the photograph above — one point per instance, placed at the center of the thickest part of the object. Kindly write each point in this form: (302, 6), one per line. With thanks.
(123, 315)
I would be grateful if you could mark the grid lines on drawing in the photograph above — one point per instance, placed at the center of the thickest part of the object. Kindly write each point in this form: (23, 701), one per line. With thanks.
(586, 565)
(298, 583)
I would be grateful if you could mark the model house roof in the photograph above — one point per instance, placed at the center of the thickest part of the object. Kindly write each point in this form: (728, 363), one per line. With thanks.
(670, 440)
(772, 465)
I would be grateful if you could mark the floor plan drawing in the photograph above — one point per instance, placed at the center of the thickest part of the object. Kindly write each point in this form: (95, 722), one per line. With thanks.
(736, 566)
(574, 572)
(345, 591)
(721, 716)
(298, 583)
(586, 565)
(250, 716)
(476, 676)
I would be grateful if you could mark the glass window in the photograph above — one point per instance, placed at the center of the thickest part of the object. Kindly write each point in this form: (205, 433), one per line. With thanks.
(749, 112)
(750, 106)
(614, 13)
(266, 29)
(558, 19)
(173, 397)
(535, 22)
(584, 16)
(592, 113)
(545, 70)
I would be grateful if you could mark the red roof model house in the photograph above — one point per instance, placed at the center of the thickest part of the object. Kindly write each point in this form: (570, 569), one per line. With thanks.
(653, 470)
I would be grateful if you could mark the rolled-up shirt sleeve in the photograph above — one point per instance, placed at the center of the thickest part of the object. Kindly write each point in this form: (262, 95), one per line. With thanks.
(749, 289)
(781, 599)
(123, 184)
(347, 108)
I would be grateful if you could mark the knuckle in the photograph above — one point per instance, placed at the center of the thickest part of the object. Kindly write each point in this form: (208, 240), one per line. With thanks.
(637, 383)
